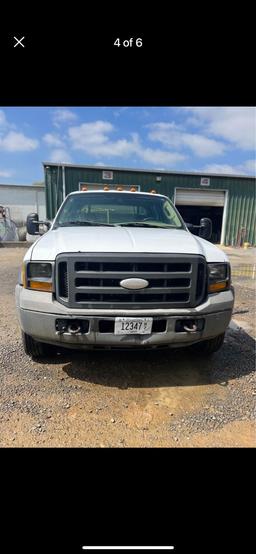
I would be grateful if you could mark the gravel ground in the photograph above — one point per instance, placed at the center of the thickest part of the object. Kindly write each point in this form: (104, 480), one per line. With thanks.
(115, 399)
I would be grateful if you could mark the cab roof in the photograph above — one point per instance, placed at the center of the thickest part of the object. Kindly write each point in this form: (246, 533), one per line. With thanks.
(117, 192)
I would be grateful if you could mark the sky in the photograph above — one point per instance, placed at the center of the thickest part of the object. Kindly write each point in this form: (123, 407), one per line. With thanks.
(202, 139)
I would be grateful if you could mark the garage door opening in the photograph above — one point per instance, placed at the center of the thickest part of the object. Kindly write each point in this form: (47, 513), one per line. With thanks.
(193, 214)
(193, 204)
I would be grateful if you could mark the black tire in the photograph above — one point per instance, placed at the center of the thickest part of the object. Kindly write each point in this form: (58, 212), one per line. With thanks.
(210, 346)
(36, 349)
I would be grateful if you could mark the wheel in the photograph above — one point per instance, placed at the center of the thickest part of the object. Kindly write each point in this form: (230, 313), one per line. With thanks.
(36, 349)
(210, 346)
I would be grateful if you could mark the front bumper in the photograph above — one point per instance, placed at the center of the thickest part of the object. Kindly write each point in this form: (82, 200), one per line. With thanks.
(38, 313)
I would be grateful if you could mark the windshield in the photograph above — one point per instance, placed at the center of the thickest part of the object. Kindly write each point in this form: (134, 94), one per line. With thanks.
(133, 210)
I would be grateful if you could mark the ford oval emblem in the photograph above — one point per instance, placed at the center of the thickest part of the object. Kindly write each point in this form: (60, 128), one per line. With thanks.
(134, 284)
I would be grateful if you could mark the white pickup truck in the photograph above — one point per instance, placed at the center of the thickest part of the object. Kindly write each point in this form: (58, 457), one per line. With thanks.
(122, 270)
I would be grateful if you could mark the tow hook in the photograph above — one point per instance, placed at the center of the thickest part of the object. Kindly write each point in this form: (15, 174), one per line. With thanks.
(189, 325)
(192, 329)
(73, 328)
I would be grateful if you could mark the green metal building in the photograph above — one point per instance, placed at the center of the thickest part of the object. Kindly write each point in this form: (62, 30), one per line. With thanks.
(229, 200)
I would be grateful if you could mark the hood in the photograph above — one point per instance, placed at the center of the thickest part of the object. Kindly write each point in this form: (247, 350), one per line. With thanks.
(122, 239)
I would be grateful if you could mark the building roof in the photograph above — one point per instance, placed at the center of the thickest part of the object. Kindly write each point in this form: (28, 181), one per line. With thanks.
(36, 187)
(158, 172)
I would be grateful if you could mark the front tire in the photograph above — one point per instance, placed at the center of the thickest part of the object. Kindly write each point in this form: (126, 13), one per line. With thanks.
(36, 349)
(210, 346)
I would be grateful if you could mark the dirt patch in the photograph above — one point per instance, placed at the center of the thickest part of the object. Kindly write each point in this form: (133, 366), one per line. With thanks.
(235, 434)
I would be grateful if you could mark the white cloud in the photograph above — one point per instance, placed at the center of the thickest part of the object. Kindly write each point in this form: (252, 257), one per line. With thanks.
(99, 164)
(172, 136)
(93, 139)
(5, 173)
(222, 168)
(60, 155)
(246, 168)
(5, 125)
(119, 111)
(250, 165)
(160, 156)
(203, 146)
(235, 125)
(62, 115)
(88, 135)
(52, 139)
(3, 120)
(18, 142)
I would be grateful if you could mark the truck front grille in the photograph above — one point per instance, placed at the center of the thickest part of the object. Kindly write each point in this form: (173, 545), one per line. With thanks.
(93, 280)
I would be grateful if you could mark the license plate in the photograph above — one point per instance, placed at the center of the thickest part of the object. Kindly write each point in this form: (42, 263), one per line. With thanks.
(133, 325)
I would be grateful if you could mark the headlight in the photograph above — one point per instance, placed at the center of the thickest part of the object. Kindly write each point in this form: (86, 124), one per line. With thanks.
(38, 276)
(218, 277)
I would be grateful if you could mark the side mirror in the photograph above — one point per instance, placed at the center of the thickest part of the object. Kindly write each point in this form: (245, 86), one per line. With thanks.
(32, 224)
(205, 231)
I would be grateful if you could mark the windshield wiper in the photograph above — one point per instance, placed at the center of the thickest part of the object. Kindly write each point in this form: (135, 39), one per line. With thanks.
(85, 223)
(129, 224)
(141, 224)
